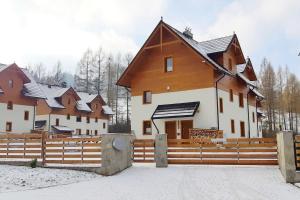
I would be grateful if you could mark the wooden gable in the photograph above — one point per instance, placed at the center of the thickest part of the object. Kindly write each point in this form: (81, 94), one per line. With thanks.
(249, 71)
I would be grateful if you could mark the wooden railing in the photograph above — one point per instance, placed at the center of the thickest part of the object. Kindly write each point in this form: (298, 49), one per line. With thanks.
(143, 150)
(297, 151)
(254, 151)
(25, 147)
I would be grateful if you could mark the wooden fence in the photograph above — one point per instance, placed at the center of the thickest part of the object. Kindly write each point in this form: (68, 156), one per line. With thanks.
(25, 147)
(143, 150)
(240, 151)
(297, 151)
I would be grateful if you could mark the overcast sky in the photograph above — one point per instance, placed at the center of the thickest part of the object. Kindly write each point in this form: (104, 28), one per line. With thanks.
(34, 31)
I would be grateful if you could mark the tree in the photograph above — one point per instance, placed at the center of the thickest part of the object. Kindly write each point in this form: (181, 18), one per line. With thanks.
(99, 72)
(85, 74)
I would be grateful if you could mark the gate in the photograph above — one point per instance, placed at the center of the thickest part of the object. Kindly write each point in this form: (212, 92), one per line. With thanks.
(143, 150)
(297, 151)
(235, 151)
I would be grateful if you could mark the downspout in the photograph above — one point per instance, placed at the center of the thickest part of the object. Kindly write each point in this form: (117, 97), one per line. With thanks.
(154, 123)
(34, 110)
(248, 113)
(256, 118)
(49, 123)
(217, 99)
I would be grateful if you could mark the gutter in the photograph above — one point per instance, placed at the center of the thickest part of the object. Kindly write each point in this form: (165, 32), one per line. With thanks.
(217, 99)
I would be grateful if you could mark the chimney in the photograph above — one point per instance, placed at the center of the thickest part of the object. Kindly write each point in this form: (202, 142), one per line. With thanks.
(188, 32)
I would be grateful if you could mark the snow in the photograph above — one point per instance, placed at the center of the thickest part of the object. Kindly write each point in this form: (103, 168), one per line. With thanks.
(18, 178)
(143, 182)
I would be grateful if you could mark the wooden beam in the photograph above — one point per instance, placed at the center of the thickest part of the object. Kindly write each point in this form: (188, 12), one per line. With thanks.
(161, 37)
(162, 44)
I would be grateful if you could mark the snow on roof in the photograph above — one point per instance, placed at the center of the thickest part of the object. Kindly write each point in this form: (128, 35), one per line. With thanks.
(32, 89)
(51, 94)
(257, 93)
(204, 49)
(88, 98)
(63, 128)
(244, 78)
(241, 67)
(107, 110)
(216, 45)
(82, 106)
(2, 67)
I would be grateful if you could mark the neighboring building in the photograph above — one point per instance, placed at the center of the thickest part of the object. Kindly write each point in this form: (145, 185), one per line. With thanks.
(18, 98)
(70, 112)
(178, 83)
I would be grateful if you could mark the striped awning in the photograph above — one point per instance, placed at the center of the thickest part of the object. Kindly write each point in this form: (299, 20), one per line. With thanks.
(176, 110)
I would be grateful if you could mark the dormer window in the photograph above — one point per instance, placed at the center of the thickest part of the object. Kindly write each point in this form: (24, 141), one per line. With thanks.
(10, 83)
(168, 64)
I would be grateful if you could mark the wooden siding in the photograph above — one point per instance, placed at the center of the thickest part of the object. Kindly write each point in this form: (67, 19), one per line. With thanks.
(189, 72)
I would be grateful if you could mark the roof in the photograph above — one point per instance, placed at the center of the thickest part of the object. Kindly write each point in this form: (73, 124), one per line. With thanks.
(32, 89)
(246, 80)
(82, 106)
(107, 110)
(63, 129)
(51, 94)
(216, 45)
(88, 98)
(3, 66)
(257, 93)
(175, 110)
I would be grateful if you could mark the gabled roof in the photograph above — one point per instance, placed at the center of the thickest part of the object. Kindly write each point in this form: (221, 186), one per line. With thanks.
(32, 89)
(107, 110)
(3, 67)
(246, 80)
(53, 92)
(247, 66)
(217, 45)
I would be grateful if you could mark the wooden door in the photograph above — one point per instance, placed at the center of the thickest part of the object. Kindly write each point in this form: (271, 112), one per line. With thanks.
(185, 126)
(170, 128)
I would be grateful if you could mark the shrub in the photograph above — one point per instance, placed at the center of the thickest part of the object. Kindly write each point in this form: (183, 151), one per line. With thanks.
(33, 163)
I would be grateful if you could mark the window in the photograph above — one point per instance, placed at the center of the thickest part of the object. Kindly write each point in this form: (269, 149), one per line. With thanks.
(232, 126)
(241, 100)
(96, 106)
(8, 126)
(230, 64)
(242, 127)
(96, 132)
(104, 125)
(68, 116)
(10, 105)
(231, 95)
(78, 118)
(78, 131)
(57, 122)
(147, 130)
(69, 101)
(147, 97)
(10, 83)
(253, 117)
(221, 105)
(96, 119)
(168, 64)
(88, 119)
(26, 115)
(87, 131)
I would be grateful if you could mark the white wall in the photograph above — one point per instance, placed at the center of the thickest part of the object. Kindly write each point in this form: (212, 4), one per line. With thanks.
(205, 117)
(16, 116)
(73, 124)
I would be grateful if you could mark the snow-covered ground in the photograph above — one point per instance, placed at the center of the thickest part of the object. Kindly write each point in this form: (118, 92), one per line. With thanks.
(13, 178)
(143, 182)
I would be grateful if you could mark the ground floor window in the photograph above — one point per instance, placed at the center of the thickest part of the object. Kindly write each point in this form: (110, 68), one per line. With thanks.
(147, 130)
(242, 128)
(87, 131)
(57, 122)
(8, 126)
(78, 131)
(96, 132)
(26, 115)
(68, 116)
(104, 125)
(232, 126)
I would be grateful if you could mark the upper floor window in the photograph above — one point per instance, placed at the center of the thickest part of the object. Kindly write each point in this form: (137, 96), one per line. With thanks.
(232, 126)
(242, 128)
(241, 100)
(147, 130)
(88, 119)
(96, 132)
(69, 101)
(10, 83)
(231, 95)
(87, 131)
(26, 115)
(78, 131)
(147, 97)
(104, 125)
(253, 117)
(10, 105)
(57, 122)
(230, 64)
(78, 118)
(96, 106)
(168, 64)
(68, 116)
(221, 105)
(96, 119)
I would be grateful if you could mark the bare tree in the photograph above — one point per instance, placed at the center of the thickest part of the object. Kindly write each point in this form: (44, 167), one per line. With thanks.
(99, 57)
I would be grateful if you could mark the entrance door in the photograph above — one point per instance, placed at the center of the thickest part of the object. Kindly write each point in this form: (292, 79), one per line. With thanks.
(170, 128)
(185, 126)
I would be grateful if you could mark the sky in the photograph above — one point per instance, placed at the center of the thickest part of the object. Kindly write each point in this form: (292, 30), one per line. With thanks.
(45, 31)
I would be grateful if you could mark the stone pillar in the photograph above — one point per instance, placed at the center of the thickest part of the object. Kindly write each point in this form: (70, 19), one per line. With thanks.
(161, 149)
(116, 153)
(286, 157)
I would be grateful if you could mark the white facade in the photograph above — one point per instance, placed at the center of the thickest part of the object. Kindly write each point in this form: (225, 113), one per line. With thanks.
(16, 117)
(73, 124)
(205, 117)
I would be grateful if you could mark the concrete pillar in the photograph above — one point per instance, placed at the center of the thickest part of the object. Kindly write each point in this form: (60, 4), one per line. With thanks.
(116, 153)
(161, 149)
(286, 157)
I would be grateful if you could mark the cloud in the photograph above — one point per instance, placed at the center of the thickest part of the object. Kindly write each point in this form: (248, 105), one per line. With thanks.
(48, 30)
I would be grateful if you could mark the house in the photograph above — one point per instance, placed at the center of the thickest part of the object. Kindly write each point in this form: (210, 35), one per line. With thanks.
(19, 94)
(69, 112)
(178, 83)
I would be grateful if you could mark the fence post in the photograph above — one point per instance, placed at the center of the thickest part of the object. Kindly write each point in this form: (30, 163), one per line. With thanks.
(286, 157)
(161, 150)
